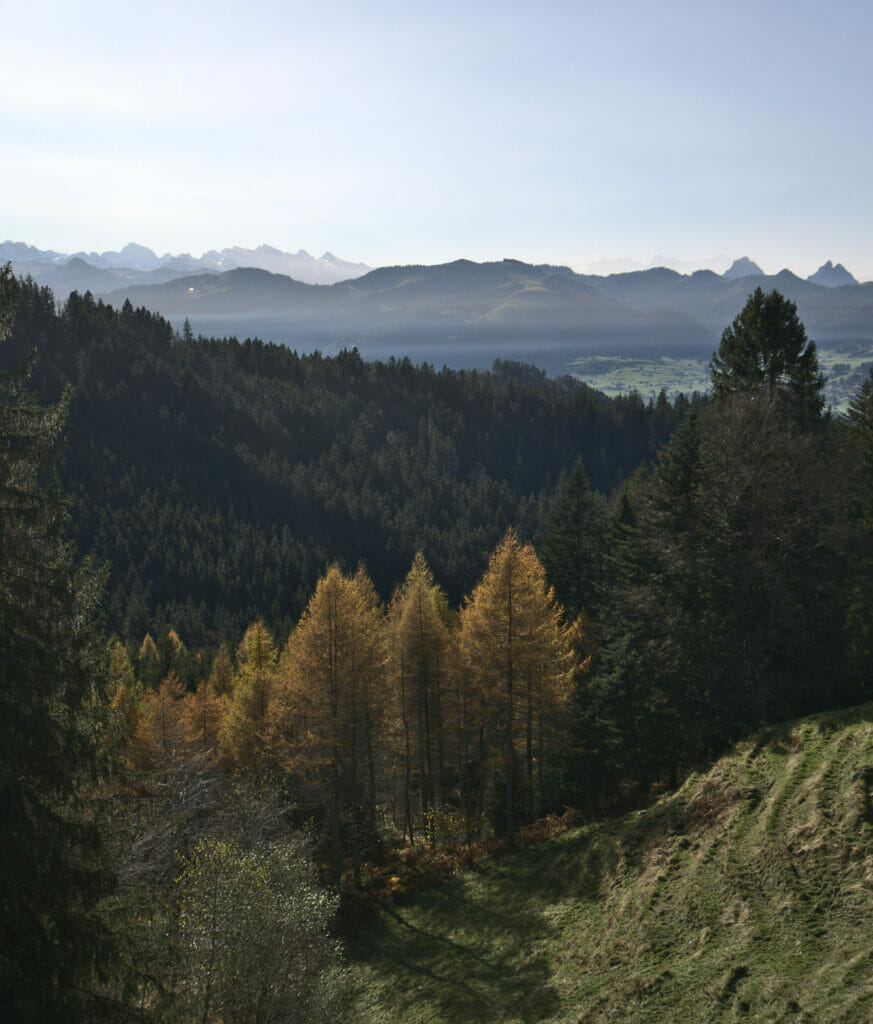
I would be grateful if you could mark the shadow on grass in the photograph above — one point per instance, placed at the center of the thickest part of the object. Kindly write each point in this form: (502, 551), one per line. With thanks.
(484, 967)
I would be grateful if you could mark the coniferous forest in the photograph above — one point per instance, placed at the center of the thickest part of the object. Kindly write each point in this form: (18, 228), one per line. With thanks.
(283, 636)
(220, 479)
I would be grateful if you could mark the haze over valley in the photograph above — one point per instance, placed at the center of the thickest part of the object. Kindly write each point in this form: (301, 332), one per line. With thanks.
(465, 314)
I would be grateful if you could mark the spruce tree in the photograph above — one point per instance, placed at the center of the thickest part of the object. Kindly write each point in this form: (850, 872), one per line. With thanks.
(858, 432)
(572, 550)
(766, 349)
(52, 946)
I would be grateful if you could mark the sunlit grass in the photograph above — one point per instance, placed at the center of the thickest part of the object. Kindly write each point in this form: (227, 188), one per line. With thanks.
(620, 374)
(748, 895)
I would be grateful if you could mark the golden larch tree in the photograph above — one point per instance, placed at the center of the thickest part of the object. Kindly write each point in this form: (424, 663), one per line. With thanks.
(325, 716)
(517, 652)
(419, 657)
(258, 669)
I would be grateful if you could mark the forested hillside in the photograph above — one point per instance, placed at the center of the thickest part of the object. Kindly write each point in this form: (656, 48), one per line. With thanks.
(198, 803)
(220, 478)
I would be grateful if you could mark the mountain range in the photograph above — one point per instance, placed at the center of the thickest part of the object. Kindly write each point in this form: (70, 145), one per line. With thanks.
(137, 264)
(459, 314)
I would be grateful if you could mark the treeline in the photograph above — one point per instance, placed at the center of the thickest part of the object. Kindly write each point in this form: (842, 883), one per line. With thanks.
(220, 479)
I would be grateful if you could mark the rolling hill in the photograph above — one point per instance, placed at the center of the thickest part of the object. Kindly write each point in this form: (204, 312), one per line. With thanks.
(459, 314)
(464, 314)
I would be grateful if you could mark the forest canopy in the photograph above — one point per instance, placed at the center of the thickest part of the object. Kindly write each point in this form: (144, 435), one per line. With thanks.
(221, 478)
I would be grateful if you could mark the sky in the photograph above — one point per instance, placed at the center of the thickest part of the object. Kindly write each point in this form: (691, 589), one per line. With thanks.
(600, 136)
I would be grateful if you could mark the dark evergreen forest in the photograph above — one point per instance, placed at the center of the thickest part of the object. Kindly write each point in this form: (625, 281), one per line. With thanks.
(220, 478)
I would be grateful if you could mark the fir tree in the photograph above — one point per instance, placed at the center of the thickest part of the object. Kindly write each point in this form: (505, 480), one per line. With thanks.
(572, 549)
(52, 662)
(766, 349)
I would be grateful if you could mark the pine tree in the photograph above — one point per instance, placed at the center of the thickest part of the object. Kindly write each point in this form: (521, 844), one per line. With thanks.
(52, 677)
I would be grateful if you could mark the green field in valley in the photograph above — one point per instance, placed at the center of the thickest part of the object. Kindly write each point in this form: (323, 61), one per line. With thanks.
(617, 374)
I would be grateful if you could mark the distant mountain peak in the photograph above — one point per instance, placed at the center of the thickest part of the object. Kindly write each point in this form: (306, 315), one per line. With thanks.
(135, 259)
(743, 267)
(135, 249)
(831, 276)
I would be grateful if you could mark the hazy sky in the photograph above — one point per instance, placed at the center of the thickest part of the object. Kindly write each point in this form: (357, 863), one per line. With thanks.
(417, 133)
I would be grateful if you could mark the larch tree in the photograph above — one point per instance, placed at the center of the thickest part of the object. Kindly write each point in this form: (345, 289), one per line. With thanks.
(149, 662)
(158, 742)
(325, 716)
(419, 659)
(203, 718)
(257, 672)
(514, 645)
(221, 672)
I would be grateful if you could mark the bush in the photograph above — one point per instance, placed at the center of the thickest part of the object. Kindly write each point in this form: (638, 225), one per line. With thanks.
(255, 931)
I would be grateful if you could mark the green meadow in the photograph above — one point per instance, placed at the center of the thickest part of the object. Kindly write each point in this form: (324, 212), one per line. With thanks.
(844, 367)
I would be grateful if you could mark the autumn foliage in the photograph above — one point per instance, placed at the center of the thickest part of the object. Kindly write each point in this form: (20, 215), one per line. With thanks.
(413, 722)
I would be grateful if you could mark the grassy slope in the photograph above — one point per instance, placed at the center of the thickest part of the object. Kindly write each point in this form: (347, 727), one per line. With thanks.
(746, 896)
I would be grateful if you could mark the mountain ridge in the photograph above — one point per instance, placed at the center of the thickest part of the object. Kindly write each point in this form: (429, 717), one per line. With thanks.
(463, 313)
(135, 259)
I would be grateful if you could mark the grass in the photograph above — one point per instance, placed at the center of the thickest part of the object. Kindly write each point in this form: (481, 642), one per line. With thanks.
(620, 374)
(745, 896)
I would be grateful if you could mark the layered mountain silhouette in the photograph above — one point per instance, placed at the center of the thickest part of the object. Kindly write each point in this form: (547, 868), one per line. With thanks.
(462, 313)
(466, 314)
(137, 264)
